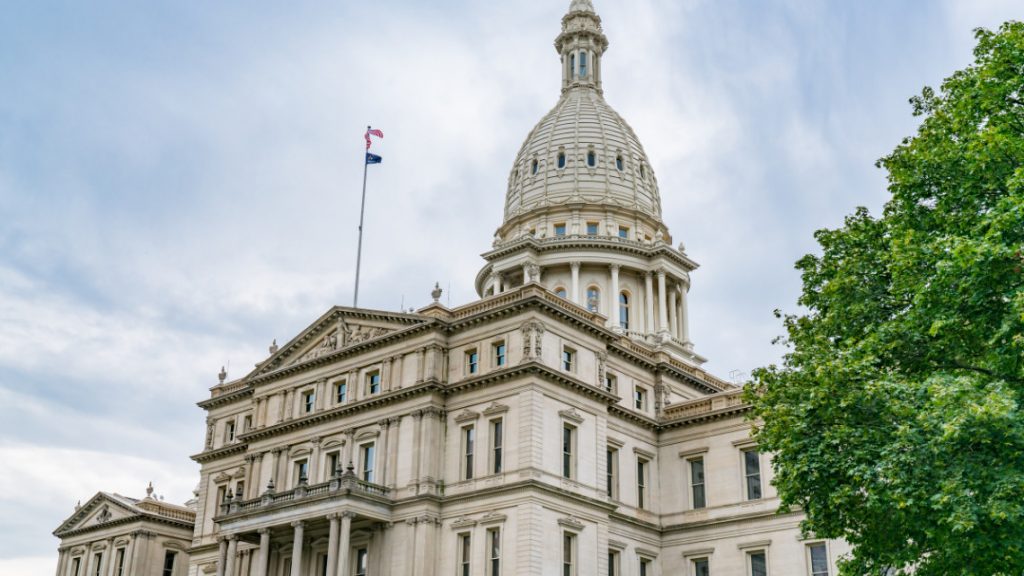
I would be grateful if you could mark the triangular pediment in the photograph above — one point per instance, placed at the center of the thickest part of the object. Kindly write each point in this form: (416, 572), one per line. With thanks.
(100, 510)
(337, 330)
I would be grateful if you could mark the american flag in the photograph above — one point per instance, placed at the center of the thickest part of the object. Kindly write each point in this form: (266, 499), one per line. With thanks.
(372, 132)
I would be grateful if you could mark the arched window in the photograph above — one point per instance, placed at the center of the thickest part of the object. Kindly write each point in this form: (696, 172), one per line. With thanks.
(618, 162)
(591, 159)
(593, 298)
(560, 292)
(535, 166)
(572, 66)
(583, 64)
(561, 159)
(624, 311)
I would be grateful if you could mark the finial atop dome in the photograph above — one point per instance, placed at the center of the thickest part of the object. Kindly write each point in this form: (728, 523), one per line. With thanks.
(581, 6)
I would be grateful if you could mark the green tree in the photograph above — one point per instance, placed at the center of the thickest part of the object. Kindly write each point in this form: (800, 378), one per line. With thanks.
(895, 418)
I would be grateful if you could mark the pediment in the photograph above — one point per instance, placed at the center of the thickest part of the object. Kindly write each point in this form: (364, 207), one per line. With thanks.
(340, 328)
(100, 510)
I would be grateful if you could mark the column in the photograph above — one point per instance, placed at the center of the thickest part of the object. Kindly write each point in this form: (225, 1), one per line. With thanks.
(614, 297)
(61, 558)
(574, 293)
(299, 527)
(419, 364)
(392, 479)
(684, 315)
(332, 544)
(673, 318)
(222, 556)
(662, 303)
(649, 303)
(275, 455)
(350, 436)
(314, 461)
(263, 559)
(229, 565)
(344, 543)
(417, 419)
(526, 274)
(385, 375)
(382, 454)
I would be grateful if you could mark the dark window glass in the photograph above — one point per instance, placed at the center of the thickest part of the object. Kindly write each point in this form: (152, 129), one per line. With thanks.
(623, 232)
(700, 567)
(819, 560)
(473, 361)
(697, 482)
(169, 564)
(591, 159)
(567, 555)
(610, 472)
(611, 564)
(361, 561)
(643, 567)
(119, 563)
(534, 167)
(310, 400)
(561, 159)
(496, 440)
(618, 163)
(468, 439)
(583, 64)
(592, 228)
(499, 354)
(341, 391)
(641, 484)
(758, 564)
(494, 539)
(559, 229)
(368, 455)
(464, 555)
(624, 311)
(567, 433)
(752, 469)
(373, 379)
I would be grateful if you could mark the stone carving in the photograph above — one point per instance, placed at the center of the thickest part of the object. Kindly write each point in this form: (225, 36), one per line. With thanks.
(104, 515)
(467, 415)
(602, 366)
(344, 335)
(572, 415)
(533, 335)
(436, 292)
(495, 408)
(223, 375)
(273, 347)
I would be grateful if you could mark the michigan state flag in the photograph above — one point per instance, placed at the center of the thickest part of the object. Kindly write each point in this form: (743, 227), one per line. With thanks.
(373, 158)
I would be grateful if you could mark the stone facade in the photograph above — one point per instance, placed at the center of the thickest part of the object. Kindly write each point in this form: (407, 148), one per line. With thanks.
(114, 535)
(561, 424)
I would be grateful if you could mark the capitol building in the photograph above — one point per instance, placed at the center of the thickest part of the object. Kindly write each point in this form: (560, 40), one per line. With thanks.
(562, 424)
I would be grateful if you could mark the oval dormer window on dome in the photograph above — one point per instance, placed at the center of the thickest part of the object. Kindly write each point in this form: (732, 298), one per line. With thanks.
(561, 159)
(643, 173)
(583, 64)
(591, 159)
(534, 167)
(619, 162)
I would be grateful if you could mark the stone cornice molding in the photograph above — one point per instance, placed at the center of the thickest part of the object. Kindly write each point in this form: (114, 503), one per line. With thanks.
(495, 408)
(467, 416)
(571, 415)
(572, 523)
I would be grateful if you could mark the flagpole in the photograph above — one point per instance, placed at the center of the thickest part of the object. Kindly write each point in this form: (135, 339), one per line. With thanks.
(359, 250)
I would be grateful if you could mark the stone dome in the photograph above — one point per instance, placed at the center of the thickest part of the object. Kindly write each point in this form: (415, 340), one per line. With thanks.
(582, 151)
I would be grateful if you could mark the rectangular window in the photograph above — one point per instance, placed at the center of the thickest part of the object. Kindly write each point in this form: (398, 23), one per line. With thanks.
(583, 64)
(373, 382)
(222, 494)
(645, 567)
(367, 458)
(641, 483)
(465, 552)
(308, 400)
(499, 354)
(323, 565)
(119, 562)
(560, 229)
(697, 482)
(362, 561)
(468, 440)
(611, 472)
(701, 568)
(239, 490)
(472, 362)
(497, 441)
(623, 232)
(494, 552)
(568, 359)
(341, 391)
(752, 471)
(333, 464)
(229, 431)
(592, 228)
(758, 563)
(639, 398)
(98, 559)
(568, 449)
(611, 383)
(613, 563)
(568, 554)
(247, 423)
(301, 471)
(818, 554)
(76, 566)
(169, 563)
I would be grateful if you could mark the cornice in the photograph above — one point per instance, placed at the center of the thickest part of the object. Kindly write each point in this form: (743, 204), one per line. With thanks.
(218, 453)
(534, 369)
(228, 398)
(706, 417)
(136, 517)
(428, 386)
(582, 241)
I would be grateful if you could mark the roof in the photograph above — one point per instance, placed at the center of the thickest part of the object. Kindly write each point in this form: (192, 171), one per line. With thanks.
(109, 508)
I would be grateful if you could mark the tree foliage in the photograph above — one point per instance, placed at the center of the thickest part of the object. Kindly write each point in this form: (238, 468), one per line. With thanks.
(896, 415)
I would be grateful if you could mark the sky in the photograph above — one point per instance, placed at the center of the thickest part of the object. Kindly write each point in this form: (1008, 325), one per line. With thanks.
(179, 186)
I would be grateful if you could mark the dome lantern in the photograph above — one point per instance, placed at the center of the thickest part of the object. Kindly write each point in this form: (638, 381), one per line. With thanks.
(581, 45)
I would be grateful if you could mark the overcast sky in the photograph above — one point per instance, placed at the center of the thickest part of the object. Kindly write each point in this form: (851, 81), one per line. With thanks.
(179, 185)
